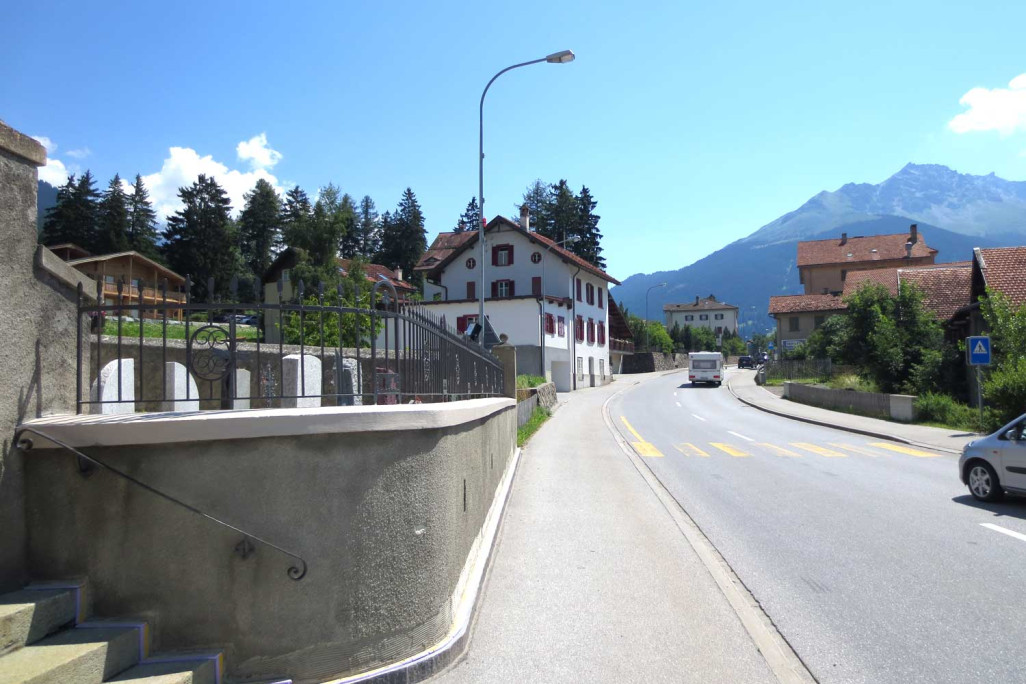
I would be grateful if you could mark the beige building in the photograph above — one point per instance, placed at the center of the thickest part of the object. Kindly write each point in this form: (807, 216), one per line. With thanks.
(142, 279)
(706, 312)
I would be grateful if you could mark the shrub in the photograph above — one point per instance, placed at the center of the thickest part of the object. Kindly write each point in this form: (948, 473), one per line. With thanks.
(851, 381)
(526, 381)
(1005, 390)
(933, 407)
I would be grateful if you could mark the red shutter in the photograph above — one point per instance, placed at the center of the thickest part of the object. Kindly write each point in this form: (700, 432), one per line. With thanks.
(600, 297)
(495, 256)
(578, 289)
(495, 288)
(510, 249)
(471, 289)
(461, 324)
(579, 328)
(512, 288)
(536, 285)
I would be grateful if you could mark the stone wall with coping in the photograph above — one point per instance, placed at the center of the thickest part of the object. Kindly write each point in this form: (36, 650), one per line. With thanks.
(37, 317)
(899, 407)
(647, 362)
(384, 503)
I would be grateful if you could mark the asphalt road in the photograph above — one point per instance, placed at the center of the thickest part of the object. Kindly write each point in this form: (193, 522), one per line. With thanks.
(870, 557)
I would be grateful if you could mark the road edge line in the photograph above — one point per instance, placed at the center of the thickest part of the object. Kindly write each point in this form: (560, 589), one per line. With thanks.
(835, 426)
(785, 664)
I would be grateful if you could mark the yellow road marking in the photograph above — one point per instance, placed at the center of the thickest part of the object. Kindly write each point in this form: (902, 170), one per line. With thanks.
(822, 451)
(779, 451)
(644, 448)
(689, 449)
(904, 450)
(728, 449)
(857, 450)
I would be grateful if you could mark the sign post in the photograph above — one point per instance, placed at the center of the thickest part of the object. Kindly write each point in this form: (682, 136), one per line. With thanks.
(977, 352)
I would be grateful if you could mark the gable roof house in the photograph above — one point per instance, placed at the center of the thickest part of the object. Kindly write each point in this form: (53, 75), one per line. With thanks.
(550, 303)
(1000, 269)
(705, 312)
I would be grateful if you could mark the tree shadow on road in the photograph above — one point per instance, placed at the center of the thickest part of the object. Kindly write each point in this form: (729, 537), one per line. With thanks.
(1011, 507)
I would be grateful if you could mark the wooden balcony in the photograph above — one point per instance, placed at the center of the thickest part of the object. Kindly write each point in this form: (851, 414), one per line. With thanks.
(146, 295)
(621, 346)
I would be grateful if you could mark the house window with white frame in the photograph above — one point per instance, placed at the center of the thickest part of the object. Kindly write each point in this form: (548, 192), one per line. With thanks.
(719, 317)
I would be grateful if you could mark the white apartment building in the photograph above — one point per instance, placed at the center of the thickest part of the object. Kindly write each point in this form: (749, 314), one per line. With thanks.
(550, 303)
(703, 312)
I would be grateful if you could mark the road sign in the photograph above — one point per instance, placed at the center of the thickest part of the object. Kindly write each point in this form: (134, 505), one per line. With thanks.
(978, 349)
(770, 345)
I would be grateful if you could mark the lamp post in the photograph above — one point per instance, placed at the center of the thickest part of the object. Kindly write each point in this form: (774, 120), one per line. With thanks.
(562, 57)
(646, 310)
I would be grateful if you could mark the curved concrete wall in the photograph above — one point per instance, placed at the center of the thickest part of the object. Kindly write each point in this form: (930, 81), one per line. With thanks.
(385, 519)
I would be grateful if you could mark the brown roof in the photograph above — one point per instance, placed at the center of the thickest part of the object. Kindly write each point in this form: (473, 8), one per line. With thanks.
(945, 289)
(447, 246)
(1004, 270)
(804, 304)
(856, 249)
(167, 272)
(375, 272)
(888, 277)
(703, 304)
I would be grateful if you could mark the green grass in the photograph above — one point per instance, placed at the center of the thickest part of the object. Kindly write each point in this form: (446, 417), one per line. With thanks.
(850, 381)
(526, 381)
(130, 329)
(940, 410)
(805, 381)
(540, 415)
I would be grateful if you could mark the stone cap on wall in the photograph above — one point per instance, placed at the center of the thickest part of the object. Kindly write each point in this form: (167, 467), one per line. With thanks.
(21, 145)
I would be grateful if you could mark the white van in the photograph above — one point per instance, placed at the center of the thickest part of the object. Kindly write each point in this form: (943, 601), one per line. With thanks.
(705, 367)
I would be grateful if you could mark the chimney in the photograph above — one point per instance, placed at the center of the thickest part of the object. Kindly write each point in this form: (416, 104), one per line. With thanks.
(696, 300)
(908, 249)
(913, 233)
(399, 273)
(525, 217)
(844, 238)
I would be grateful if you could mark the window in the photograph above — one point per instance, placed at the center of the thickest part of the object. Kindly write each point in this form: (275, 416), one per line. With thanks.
(600, 298)
(536, 286)
(465, 323)
(718, 317)
(602, 368)
(579, 329)
(703, 317)
(844, 274)
(689, 317)
(110, 280)
(536, 258)
(818, 321)
(550, 324)
(580, 368)
(578, 289)
(792, 324)
(590, 292)
(471, 263)
(284, 275)
(503, 288)
(601, 333)
(562, 326)
(471, 289)
(502, 255)
(719, 330)
(591, 331)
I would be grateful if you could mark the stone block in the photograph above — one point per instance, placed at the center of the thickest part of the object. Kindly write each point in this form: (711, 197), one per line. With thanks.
(242, 380)
(105, 389)
(182, 394)
(301, 381)
(348, 381)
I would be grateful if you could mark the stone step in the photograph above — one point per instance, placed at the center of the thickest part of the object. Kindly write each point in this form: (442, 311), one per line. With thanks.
(29, 614)
(175, 672)
(88, 654)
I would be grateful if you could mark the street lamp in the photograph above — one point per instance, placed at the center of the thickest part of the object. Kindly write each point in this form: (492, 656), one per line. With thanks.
(646, 311)
(561, 57)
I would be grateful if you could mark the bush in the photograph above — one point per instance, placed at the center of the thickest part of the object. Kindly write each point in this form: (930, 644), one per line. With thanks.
(526, 381)
(850, 381)
(932, 407)
(1005, 390)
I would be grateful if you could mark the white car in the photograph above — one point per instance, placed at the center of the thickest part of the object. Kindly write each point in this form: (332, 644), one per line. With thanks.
(996, 464)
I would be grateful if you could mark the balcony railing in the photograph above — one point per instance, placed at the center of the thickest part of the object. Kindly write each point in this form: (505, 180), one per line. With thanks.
(621, 346)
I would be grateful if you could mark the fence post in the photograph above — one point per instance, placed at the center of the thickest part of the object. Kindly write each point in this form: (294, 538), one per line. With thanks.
(507, 355)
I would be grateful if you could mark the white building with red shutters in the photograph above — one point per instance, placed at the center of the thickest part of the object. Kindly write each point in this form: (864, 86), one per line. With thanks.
(549, 302)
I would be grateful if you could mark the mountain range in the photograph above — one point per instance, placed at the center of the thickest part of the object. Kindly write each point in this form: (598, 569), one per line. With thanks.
(955, 212)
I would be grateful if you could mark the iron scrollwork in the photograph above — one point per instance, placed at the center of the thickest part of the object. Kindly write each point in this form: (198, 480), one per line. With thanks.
(210, 357)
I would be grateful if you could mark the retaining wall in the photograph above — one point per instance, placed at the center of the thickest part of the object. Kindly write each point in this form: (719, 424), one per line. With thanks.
(647, 362)
(893, 406)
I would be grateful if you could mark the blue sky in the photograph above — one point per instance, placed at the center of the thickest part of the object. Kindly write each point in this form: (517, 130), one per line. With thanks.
(693, 124)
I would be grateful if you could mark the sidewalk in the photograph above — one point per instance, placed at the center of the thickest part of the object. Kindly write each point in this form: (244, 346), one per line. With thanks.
(592, 579)
(742, 386)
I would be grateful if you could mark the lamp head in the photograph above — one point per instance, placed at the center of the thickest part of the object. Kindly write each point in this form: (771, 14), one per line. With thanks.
(561, 57)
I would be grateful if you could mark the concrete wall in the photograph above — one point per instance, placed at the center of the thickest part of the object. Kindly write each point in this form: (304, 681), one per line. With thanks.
(386, 520)
(647, 362)
(894, 406)
(37, 317)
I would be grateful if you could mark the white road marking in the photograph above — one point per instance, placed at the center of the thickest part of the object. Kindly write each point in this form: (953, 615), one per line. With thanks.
(1002, 530)
(740, 435)
(698, 417)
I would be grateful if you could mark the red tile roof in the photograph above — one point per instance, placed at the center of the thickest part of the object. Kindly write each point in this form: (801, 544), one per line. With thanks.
(888, 277)
(856, 249)
(945, 289)
(1004, 270)
(444, 248)
(373, 273)
(804, 304)
(704, 303)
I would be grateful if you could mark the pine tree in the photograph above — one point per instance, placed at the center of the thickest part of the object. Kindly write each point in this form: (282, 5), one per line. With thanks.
(403, 245)
(536, 197)
(295, 214)
(200, 239)
(57, 224)
(84, 210)
(368, 228)
(259, 228)
(588, 236)
(470, 218)
(348, 215)
(142, 222)
(562, 215)
(112, 219)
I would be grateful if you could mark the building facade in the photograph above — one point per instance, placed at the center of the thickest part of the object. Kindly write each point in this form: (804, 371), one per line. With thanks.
(706, 312)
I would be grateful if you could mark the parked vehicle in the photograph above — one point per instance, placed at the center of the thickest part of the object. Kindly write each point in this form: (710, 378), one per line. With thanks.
(996, 464)
(705, 367)
(745, 362)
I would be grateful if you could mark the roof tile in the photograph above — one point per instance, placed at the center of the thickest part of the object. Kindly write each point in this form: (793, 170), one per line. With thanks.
(786, 304)
(856, 249)
(1004, 270)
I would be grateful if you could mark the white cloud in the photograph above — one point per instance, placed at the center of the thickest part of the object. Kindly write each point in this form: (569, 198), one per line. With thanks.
(184, 165)
(1000, 109)
(81, 153)
(258, 153)
(54, 173)
(50, 145)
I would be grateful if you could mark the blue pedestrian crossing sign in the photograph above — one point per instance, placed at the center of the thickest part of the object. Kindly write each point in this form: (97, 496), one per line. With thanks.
(978, 349)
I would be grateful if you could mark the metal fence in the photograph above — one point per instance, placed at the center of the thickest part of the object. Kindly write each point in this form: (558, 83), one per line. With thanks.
(799, 370)
(348, 346)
